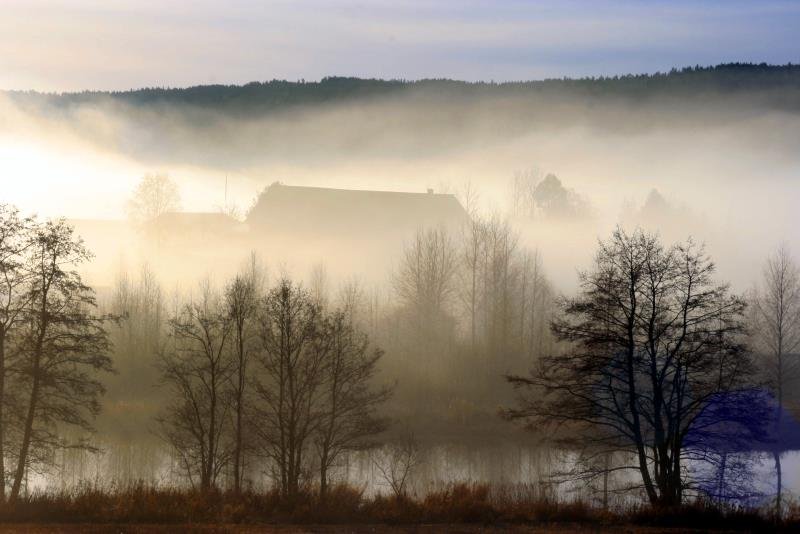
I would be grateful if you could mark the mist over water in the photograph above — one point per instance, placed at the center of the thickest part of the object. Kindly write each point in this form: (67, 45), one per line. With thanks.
(720, 168)
(727, 166)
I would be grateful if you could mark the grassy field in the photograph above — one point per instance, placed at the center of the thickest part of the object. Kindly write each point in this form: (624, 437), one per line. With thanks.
(463, 508)
(332, 529)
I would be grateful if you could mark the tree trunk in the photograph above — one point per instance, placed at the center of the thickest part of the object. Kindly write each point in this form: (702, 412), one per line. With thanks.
(721, 484)
(605, 480)
(777, 453)
(22, 460)
(212, 436)
(655, 497)
(323, 478)
(473, 298)
(237, 453)
(28, 431)
(2, 414)
(779, 475)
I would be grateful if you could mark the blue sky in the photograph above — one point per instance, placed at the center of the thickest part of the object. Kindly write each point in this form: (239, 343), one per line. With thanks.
(58, 45)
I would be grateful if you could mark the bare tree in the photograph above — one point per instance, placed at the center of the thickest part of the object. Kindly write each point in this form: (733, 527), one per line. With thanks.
(505, 295)
(349, 402)
(155, 195)
(138, 339)
(61, 350)
(15, 242)
(500, 277)
(535, 305)
(777, 332)
(472, 253)
(523, 187)
(292, 363)
(319, 285)
(396, 464)
(350, 300)
(425, 281)
(652, 341)
(469, 197)
(197, 368)
(242, 296)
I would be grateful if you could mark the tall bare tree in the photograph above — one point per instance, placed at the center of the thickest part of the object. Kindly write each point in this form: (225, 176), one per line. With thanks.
(138, 339)
(777, 315)
(63, 348)
(197, 369)
(500, 277)
(319, 285)
(15, 242)
(155, 195)
(292, 362)
(349, 401)
(472, 253)
(650, 342)
(425, 281)
(242, 298)
(535, 305)
(350, 300)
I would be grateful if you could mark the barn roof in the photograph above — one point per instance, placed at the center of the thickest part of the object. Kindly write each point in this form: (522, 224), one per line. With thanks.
(349, 212)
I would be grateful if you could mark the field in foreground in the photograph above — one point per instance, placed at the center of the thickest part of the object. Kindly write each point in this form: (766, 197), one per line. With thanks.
(457, 528)
(463, 508)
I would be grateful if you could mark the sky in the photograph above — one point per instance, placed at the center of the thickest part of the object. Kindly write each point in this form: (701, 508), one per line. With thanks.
(69, 45)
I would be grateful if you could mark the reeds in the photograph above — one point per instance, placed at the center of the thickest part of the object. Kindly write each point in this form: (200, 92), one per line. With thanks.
(449, 504)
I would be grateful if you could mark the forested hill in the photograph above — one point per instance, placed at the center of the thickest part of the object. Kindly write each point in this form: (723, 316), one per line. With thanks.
(780, 82)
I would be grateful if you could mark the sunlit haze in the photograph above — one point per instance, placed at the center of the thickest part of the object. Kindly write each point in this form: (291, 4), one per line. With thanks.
(389, 266)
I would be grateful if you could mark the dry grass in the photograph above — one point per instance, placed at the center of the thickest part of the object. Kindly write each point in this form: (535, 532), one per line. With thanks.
(457, 504)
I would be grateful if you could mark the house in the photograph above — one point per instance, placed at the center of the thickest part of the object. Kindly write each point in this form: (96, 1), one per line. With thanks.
(350, 214)
(351, 231)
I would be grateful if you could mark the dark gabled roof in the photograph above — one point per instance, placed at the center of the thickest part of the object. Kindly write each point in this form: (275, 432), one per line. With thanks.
(350, 213)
